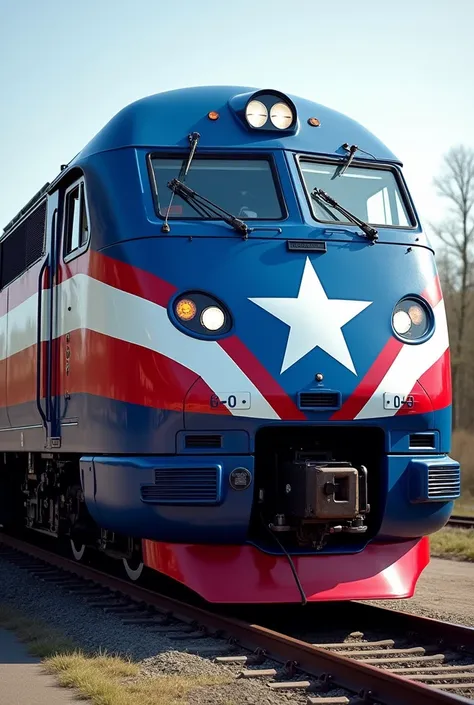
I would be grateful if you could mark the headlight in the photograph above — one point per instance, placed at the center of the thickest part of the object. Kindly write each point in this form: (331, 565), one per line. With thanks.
(412, 320)
(213, 318)
(201, 314)
(256, 113)
(281, 116)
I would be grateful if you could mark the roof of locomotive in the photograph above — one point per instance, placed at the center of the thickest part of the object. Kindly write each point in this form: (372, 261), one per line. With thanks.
(166, 119)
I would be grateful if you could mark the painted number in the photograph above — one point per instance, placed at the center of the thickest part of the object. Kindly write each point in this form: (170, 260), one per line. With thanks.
(232, 400)
(398, 401)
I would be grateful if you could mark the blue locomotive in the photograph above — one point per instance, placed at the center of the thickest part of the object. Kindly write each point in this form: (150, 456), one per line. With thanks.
(224, 354)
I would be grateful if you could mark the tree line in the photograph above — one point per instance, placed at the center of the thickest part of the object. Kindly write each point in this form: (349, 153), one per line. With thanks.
(455, 259)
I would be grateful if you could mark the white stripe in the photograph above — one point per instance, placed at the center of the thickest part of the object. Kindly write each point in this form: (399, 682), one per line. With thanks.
(410, 364)
(102, 308)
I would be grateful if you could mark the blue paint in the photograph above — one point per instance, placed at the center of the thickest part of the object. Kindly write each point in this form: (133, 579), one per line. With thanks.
(122, 444)
(112, 487)
(402, 517)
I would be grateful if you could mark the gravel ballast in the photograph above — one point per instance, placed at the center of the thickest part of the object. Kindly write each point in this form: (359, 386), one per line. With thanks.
(94, 630)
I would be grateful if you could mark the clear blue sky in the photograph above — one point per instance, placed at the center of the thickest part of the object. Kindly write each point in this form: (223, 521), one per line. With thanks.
(403, 68)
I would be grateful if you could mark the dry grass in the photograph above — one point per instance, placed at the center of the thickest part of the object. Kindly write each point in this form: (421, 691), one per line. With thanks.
(104, 679)
(453, 543)
(109, 680)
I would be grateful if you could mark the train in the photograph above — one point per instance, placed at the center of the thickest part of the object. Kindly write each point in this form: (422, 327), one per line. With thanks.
(225, 355)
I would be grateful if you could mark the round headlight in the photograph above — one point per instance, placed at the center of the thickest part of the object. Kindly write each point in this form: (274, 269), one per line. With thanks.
(412, 320)
(256, 113)
(401, 322)
(281, 116)
(213, 318)
(185, 309)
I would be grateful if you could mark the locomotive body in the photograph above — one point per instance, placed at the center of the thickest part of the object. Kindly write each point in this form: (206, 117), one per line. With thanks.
(225, 354)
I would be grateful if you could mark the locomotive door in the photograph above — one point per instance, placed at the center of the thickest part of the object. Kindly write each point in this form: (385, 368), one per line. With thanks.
(47, 392)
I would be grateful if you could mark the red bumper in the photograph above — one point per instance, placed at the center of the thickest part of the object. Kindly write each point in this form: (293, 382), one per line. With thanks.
(243, 574)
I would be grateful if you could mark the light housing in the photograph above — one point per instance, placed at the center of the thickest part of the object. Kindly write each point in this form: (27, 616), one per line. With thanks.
(413, 320)
(266, 110)
(200, 314)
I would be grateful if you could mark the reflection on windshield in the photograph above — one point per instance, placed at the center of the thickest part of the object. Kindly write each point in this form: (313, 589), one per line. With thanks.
(371, 194)
(244, 187)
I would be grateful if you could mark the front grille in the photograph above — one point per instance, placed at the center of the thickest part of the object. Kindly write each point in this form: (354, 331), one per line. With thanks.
(319, 400)
(422, 440)
(444, 482)
(183, 486)
(203, 441)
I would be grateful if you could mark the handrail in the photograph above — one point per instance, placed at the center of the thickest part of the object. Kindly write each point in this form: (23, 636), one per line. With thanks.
(39, 345)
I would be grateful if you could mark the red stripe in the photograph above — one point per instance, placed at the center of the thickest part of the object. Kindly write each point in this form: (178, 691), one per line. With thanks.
(433, 293)
(262, 379)
(365, 389)
(437, 382)
(121, 276)
(105, 269)
(422, 403)
(110, 368)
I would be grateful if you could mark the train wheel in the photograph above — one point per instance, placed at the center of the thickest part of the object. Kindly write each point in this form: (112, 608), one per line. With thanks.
(133, 567)
(78, 550)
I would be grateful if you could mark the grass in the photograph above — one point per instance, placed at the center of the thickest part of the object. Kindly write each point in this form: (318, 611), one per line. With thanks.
(463, 452)
(105, 679)
(453, 543)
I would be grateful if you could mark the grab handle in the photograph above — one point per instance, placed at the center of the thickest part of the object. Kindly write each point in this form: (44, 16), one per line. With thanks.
(39, 348)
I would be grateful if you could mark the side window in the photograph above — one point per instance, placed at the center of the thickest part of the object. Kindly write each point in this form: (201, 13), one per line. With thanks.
(76, 230)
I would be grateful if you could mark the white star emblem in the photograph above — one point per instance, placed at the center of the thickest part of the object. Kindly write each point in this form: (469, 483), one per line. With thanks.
(315, 321)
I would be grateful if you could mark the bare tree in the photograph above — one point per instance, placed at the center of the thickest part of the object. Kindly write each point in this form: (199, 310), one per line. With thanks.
(456, 185)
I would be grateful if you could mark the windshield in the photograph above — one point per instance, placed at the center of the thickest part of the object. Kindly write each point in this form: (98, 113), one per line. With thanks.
(370, 194)
(244, 187)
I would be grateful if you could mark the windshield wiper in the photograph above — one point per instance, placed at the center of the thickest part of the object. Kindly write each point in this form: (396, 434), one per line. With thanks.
(369, 231)
(197, 201)
(193, 138)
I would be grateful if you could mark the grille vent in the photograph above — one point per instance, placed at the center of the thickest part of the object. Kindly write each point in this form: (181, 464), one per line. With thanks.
(319, 400)
(444, 482)
(422, 440)
(183, 486)
(24, 245)
(203, 441)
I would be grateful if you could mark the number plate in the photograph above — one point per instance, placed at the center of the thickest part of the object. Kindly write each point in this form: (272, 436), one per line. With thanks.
(398, 401)
(232, 400)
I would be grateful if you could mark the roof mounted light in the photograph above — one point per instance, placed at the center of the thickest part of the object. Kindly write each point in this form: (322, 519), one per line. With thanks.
(267, 110)
(256, 113)
(281, 116)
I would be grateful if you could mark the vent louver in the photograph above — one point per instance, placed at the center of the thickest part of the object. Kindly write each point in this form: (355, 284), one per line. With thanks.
(183, 486)
(422, 440)
(444, 482)
(319, 400)
(203, 441)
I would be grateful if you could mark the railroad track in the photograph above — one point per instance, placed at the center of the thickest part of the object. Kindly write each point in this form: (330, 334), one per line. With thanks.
(461, 522)
(432, 664)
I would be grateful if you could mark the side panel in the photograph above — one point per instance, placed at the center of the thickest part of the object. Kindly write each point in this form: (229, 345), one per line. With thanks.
(4, 420)
(21, 351)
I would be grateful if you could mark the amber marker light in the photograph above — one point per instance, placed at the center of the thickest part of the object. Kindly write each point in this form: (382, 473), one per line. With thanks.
(185, 309)
(416, 314)
(314, 122)
(213, 115)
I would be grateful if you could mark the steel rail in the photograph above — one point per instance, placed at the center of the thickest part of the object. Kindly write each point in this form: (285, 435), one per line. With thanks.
(371, 683)
(461, 522)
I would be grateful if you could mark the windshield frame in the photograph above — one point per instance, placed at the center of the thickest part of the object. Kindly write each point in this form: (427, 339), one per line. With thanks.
(328, 161)
(214, 156)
